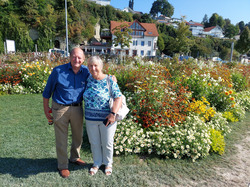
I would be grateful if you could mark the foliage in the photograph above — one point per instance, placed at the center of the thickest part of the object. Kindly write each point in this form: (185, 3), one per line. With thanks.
(164, 120)
(153, 92)
(244, 99)
(34, 76)
(163, 7)
(243, 44)
(190, 139)
(182, 43)
(218, 142)
(219, 123)
(239, 81)
(122, 36)
(160, 43)
(229, 116)
(231, 31)
(202, 109)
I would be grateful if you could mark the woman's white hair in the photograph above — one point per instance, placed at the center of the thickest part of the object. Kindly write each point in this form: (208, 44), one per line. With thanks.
(95, 59)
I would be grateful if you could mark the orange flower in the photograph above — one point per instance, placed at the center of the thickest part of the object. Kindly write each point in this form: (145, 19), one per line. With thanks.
(209, 84)
(230, 85)
(232, 98)
(230, 91)
(233, 105)
(226, 93)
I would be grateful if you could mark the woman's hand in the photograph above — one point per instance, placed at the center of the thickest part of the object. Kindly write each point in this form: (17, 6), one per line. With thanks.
(111, 119)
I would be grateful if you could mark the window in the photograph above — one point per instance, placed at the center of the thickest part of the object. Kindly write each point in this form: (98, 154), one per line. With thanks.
(142, 53)
(149, 53)
(149, 43)
(133, 42)
(136, 26)
(142, 43)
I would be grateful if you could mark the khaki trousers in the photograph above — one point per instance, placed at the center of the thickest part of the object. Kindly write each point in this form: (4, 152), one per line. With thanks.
(62, 117)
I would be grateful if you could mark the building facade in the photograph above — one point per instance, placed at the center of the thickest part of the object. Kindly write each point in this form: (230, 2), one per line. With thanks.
(143, 42)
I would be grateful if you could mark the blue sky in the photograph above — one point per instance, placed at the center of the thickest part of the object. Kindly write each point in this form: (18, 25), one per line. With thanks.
(235, 10)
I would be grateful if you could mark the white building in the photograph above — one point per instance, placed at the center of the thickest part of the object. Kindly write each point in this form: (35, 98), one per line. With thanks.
(144, 39)
(215, 31)
(101, 2)
(195, 28)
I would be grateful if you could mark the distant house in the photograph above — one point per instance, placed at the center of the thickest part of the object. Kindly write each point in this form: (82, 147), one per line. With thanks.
(144, 39)
(128, 9)
(195, 28)
(215, 31)
(175, 25)
(101, 2)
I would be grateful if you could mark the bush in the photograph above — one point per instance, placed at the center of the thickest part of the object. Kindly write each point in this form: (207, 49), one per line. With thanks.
(218, 142)
(189, 139)
(239, 81)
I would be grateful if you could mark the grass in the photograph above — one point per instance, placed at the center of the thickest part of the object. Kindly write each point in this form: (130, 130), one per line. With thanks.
(28, 157)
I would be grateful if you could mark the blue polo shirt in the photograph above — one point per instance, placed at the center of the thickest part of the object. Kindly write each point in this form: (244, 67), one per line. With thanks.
(66, 86)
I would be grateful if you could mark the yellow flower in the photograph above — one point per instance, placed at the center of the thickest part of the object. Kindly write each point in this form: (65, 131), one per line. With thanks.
(232, 98)
(230, 91)
(226, 93)
(209, 84)
(233, 105)
(230, 85)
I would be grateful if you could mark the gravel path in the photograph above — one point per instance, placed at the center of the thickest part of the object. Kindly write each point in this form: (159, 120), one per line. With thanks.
(239, 174)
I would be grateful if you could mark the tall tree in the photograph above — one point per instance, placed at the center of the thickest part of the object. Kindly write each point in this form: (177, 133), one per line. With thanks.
(248, 25)
(30, 9)
(243, 44)
(160, 43)
(231, 31)
(182, 42)
(205, 20)
(220, 21)
(241, 25)
(163, 7)
(213, 20)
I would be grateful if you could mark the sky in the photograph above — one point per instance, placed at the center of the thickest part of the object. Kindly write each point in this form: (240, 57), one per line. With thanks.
(235, 10)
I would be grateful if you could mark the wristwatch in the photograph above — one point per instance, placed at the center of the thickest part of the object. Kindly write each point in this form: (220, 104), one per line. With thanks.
(113, 113)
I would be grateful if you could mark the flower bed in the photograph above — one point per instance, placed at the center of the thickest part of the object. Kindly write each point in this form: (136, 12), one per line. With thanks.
(174, 112)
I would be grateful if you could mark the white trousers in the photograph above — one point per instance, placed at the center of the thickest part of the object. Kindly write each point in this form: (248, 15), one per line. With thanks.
(101, 139)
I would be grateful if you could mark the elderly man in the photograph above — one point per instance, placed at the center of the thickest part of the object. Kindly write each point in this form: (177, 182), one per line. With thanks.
(66, 85)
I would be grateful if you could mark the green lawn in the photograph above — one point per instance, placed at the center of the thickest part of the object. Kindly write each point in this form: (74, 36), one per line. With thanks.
(28, 157)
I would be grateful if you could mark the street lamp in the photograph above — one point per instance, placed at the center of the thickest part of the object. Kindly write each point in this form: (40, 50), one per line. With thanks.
(67, 49)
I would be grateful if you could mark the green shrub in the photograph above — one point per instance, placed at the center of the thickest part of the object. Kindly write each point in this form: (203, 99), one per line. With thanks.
(218, 142)
(239, 81)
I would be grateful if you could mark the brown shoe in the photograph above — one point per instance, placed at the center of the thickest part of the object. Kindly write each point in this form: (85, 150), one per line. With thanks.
(80, 162)
(64, 173)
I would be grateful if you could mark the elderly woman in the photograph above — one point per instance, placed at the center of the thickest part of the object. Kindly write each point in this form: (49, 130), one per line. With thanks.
(100, 132)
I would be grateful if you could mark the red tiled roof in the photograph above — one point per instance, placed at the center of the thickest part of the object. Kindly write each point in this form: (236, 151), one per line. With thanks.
(194, 24)
(150, 28)
(209, 28)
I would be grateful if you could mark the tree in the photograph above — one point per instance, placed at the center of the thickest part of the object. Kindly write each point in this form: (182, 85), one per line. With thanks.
(15, 29)
(231, 31)
(243, 44)
(163, 7)
(213, 20)
(248, 25)
(30, 9)
(122, 36)
(220, 21)
(160, 43)
(182, 42)
(241, 26)
(205, 20)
